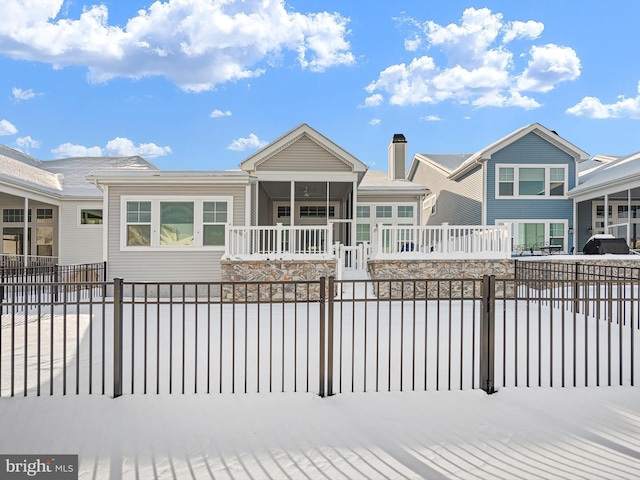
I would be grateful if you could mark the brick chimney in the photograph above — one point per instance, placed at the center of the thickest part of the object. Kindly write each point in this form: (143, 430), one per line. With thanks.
(398, 157)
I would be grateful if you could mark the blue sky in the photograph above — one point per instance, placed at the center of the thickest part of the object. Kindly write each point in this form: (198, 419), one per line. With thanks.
(202, 84)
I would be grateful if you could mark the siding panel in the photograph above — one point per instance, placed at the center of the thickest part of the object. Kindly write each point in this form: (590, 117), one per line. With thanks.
(79, 244)
(459, 202)
(304, 155)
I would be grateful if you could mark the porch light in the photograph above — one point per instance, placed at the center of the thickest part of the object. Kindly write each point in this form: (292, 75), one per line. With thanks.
(589, 229)
(570, 230)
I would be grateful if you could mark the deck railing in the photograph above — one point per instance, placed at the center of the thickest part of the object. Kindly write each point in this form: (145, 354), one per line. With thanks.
(445, 241)
(278, 241)
(15, 261)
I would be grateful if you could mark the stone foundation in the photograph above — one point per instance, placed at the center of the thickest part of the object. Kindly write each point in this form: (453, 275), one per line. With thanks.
(274, 271)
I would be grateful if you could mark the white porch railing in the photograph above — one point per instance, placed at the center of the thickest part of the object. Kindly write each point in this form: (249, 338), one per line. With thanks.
(279, 242)
(445, 241)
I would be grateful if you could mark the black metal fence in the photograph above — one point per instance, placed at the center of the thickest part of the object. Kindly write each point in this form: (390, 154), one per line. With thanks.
(553, 270)
(19, 282)
(323, 336)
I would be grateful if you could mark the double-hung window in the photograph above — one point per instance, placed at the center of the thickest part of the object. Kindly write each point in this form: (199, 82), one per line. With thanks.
(531, 181)
(214, 218)
(138, 222)
(175, 223)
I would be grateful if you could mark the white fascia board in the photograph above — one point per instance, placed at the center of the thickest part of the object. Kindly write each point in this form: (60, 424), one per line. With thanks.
(306, 177)
(22, 192)
(589, 193)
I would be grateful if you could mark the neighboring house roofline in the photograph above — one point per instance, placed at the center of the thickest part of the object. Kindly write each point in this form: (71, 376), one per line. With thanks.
(620, 174)
(19, 156)
(253, 161)
(540, 130)
(116, 177)
(426, 159)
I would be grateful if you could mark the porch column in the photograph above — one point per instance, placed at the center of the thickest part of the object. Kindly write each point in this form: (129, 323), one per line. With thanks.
(628, 216)
(354, 212)
(25, 235)
(606, 213)
(292, 202)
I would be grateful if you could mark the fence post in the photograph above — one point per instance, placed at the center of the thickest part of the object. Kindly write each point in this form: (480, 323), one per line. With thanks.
(322, 329)
(330, 295)
(2, 280)
(487, 334)
(56, 281)
(117, 337)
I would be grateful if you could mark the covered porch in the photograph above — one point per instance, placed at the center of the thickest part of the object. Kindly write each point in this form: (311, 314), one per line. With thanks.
(29, 239)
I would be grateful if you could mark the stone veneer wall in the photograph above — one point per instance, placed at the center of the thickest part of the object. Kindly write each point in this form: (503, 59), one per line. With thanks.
(429, 271)
(274, 271)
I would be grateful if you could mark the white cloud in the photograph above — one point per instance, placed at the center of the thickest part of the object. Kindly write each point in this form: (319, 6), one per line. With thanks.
(431, 118)
(27, 142)
(412, 44)
(375, 121)
(548, 66)
(528, 30)
(241, 144)
(479, 68)
(592, 107)
(7, 128)
(194, 43)
(372, 101)
(68, 150)
(19, 94)
(123, 147)
(118, 147)
(219, 113)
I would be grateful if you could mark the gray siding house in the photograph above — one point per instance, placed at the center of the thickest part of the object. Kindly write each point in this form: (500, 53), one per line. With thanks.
(523, 180)
(301, 196)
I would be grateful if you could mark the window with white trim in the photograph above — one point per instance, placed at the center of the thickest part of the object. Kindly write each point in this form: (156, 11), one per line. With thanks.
(534, 234)
(214, 219)
(363, 211)
(159, 223)
(138, 223)
(531, 181)
(384, 211)
(90, 216)
(405, 211)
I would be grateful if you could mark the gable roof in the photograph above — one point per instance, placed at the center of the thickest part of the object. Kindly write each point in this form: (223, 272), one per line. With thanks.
(252, 162)
(540, 130)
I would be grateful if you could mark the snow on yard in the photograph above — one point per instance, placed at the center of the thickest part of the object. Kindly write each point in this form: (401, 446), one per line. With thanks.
(516, 433)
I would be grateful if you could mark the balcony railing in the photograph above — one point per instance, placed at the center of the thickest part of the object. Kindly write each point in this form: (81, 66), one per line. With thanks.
(14, 261)
(279, 242)
(445, 241)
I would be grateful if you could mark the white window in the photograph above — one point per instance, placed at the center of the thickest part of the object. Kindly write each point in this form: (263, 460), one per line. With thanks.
(214, 219)
(534, 234)
(405, 211)
(44, 215)
(363, 233)
(384, 211)
(159, 223)
(531, 181)
(90, 216)
(363, 211)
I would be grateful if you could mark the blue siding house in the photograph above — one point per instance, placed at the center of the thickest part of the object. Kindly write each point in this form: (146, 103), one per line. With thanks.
(522, 179)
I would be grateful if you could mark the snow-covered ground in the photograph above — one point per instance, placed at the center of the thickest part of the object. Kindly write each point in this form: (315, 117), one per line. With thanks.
(516, 433)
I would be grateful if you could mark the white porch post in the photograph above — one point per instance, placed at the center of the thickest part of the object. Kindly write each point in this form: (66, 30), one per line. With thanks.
(354, 213)
(25, 236)
(628, 216)
(606, 213)
(292, 202)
